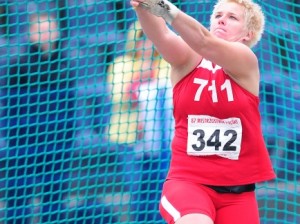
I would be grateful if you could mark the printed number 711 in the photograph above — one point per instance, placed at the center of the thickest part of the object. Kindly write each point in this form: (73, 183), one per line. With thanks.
(202, 83)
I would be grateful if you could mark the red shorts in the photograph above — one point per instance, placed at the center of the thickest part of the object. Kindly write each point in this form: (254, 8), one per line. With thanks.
(180, 198)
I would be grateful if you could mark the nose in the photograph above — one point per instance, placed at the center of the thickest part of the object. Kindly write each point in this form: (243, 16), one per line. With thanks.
(221, 20)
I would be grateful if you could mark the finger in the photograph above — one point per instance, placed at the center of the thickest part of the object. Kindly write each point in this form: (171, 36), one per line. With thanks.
(144, 5)
(134, 3)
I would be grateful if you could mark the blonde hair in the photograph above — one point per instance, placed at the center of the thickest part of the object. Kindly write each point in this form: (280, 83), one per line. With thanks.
(254, 17)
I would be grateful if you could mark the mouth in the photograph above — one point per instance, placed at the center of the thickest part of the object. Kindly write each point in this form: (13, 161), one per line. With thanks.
(220, 30)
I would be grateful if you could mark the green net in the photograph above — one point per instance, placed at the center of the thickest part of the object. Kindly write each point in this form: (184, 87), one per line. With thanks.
(86, 120)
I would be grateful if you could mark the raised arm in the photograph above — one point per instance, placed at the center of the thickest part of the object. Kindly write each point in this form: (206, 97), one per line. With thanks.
(196, 41)
(170, 45)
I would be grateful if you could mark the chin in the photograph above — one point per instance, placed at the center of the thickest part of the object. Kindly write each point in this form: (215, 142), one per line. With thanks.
(220, 36)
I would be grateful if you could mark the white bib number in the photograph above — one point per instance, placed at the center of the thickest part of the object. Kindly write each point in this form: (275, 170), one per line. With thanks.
(213, 136)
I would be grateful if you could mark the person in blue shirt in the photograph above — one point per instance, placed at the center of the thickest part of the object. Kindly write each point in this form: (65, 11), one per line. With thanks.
(38, 124)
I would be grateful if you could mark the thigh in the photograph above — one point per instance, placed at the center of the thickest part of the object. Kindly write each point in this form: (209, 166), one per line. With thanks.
(195, 219)
(180, 199)
(239, 208)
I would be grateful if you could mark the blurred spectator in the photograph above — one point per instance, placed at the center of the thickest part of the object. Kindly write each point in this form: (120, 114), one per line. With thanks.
(123, 123)
(122, 129)
(93, 24)
(141, 114)
(152, 96)
(17, 13)
(38, 124)
(94, 161)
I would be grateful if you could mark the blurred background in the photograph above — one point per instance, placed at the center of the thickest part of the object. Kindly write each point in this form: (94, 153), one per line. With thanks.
(86, 112)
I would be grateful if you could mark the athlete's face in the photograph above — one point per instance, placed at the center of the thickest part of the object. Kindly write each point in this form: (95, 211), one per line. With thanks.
(228, 22)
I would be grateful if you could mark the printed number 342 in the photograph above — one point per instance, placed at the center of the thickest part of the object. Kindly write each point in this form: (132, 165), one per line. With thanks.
(215, 140)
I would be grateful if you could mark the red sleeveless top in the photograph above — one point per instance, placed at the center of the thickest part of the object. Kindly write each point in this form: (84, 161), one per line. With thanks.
(218, 138)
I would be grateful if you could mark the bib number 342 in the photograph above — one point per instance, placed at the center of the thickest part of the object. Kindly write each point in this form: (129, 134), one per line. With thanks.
(212, 136)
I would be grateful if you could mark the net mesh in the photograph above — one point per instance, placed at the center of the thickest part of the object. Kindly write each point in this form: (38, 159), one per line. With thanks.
(86, 121)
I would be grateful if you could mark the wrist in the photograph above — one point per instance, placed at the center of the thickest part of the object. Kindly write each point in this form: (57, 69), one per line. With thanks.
(161, 8)
(171, 12)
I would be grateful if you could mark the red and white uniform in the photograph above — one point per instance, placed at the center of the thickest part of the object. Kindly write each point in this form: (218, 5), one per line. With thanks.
(218, 138)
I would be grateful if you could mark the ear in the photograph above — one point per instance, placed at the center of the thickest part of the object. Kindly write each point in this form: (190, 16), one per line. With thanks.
(248, 37)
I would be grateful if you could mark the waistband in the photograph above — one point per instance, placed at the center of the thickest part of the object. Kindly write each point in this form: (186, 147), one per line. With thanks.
(233, 189)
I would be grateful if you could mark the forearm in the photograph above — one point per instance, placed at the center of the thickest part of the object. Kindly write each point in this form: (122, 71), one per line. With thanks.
(171, 47)
(154, 27)
(189, 29)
